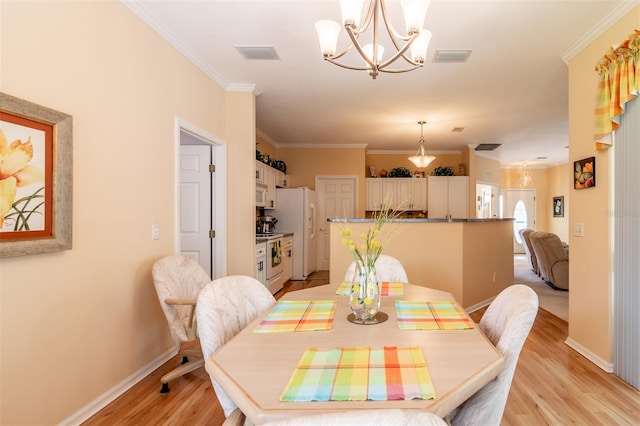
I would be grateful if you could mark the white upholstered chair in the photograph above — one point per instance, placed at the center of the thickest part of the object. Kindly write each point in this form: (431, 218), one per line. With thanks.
(506, 323)
(388, 269)
(225, 306)
(381, 417)
(178, 281)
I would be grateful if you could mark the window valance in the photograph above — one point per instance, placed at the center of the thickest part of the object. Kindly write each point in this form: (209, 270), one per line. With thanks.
(619, 72)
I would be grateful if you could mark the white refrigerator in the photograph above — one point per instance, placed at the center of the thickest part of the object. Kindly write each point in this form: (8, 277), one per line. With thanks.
(296, 213)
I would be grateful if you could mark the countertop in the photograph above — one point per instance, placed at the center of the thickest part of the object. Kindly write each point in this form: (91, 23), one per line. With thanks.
(420, 220)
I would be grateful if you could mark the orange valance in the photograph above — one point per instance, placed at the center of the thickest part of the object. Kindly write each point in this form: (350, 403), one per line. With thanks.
(619, 71)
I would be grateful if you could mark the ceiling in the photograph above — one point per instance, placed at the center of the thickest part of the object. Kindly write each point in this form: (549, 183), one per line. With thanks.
(511, 91)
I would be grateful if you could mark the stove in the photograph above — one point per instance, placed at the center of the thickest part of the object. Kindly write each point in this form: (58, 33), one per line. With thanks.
(269, 236)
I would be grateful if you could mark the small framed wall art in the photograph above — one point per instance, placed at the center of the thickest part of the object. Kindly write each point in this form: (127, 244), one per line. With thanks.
(584, 173)
(558, 206)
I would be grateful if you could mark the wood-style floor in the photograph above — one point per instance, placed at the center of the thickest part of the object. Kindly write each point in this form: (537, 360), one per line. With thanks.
(553, 385)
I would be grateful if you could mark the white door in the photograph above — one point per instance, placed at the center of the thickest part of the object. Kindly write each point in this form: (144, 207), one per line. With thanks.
(196, 209)
(520, 204)
(336, 198)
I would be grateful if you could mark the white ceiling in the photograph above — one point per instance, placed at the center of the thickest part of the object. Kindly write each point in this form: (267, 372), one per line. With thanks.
(512, 90)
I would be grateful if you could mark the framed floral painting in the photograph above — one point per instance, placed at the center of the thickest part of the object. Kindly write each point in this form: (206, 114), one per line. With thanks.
(35, 178)
(584, 173)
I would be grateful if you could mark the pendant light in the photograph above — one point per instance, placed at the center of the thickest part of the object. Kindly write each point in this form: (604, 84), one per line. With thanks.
(421, 159)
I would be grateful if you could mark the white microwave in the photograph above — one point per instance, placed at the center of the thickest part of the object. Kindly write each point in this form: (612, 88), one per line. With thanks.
(261, 195)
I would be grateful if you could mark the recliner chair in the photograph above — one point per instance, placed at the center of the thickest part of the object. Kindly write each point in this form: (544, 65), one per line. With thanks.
(528, 248)
(553, 259)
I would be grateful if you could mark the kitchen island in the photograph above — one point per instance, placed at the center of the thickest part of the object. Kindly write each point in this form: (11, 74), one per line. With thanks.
(470, 258)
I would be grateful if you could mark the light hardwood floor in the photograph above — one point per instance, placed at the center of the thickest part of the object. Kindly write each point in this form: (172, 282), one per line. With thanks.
(553, 385)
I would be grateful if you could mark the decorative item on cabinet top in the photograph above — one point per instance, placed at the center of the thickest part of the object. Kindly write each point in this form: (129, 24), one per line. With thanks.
(272, 162)
(443, 171)
(400, 172)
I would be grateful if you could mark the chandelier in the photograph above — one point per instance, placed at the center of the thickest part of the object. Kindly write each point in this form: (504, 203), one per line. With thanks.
(416, 41)
(421, 159)
(525, 176)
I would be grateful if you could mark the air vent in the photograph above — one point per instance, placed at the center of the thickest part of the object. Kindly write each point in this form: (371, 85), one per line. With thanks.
(457, 129)
(260, 53)
(488, 146)
(451, 55)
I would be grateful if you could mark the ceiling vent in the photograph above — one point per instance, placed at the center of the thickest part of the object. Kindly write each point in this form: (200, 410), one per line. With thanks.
(488, 146)
(452, 55)
(261, 53)
(457, 129)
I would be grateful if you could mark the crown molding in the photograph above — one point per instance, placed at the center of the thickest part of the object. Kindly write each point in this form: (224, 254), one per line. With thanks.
(621, 10)
(321, 145)
(138, 9)
(406, 152)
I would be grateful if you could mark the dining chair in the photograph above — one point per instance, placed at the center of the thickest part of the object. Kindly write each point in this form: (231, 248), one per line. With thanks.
(178, 281)
(225, 307)
(388, 269)
(372, 417)
(506, 323)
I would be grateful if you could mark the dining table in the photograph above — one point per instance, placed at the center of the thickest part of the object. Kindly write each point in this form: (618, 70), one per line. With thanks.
(256, 367)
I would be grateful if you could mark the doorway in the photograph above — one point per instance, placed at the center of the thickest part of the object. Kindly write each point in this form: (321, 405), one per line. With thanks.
(520, 204)
(336, 197)
(201, 198)
(486, 200)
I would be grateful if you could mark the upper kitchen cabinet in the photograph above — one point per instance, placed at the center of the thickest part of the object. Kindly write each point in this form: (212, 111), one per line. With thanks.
(401, 193)
(267, 180)
(448, 197)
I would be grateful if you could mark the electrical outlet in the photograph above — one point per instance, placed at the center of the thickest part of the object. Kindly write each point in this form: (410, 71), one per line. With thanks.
(155, 231)
(578, 229)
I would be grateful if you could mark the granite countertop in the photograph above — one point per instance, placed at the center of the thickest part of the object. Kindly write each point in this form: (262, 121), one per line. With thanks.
(421, 220)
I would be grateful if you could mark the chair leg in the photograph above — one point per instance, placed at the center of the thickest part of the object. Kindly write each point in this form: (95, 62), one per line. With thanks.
(165, 388)
(185, 359)
(183, 369)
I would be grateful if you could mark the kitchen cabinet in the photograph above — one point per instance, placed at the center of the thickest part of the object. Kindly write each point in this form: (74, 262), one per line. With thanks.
(401, 193)
(260, 169)
(287, 258)
(271, 178)
(261, 262)
(448, 197)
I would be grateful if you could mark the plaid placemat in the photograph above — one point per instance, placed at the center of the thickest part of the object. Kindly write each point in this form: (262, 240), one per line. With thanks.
(386, 289)
(431, 316)
(360, 374)
(296, 315)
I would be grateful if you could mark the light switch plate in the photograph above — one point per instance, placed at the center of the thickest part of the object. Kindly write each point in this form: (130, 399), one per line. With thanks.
(578, 230)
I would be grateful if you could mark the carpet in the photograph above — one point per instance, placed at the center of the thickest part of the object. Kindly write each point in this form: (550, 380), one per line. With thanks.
(553, 301)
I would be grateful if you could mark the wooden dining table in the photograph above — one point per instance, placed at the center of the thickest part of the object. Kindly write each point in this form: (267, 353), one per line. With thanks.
(254, 368)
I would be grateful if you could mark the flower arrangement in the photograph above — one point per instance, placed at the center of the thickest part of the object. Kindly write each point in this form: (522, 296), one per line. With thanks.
(367, 248)
(365, 295)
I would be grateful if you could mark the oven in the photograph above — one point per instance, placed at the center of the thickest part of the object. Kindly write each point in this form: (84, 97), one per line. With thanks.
(275, 267)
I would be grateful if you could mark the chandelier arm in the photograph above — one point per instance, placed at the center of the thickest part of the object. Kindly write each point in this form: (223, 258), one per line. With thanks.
(356, 44)
(398, 71)
(400, 53)
(349, 67)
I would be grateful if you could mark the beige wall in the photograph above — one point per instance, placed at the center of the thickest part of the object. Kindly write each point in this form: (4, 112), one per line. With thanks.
(76, 324)
(304, 164)
(590, 269)
(480, 170)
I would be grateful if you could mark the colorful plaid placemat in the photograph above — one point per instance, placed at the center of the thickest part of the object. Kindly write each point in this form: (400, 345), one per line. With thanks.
(295, 315)
(360, 374)
(386, 289)
(431, 316)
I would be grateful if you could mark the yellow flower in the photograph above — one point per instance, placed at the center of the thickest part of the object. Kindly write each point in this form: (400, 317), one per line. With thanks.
(15, 172)
(356, 288)
(368, 300)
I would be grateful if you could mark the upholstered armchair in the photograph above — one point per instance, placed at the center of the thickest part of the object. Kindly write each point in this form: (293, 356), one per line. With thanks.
(526, 243)
(553, 259)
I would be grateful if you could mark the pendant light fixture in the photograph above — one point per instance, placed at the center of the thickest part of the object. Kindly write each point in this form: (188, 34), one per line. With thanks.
(421, 159)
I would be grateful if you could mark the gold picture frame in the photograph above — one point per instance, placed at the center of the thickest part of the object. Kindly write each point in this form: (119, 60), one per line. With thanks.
(36, 143)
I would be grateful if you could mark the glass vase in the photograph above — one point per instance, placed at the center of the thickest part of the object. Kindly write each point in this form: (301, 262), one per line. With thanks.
(364, 299)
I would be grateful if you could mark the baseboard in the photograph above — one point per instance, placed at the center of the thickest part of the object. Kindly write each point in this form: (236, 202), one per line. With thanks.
(480, 305)
(606, 366)
(106, 398)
